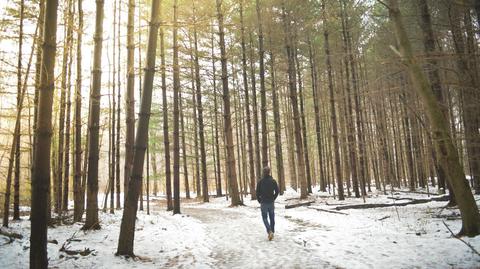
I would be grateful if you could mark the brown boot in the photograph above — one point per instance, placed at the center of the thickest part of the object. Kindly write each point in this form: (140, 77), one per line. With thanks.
(270, 236)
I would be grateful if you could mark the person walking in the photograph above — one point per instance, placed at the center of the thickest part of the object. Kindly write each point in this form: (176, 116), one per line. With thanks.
(267, 192)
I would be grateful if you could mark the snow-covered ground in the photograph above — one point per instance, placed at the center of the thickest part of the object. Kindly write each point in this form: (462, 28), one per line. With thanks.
(214, 235)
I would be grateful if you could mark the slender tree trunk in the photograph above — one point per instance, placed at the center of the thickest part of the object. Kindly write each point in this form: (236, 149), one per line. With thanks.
(277, 122)
(251, 159)
(127, 227)
(66, 179)
(16, 136)
(130, 98)
(155, 173)
(352, 143)
(77, 162)
(303, 123)
(176, 138)
(38, 60)
(16, 184)
(166, 139)
(263, 97)
(433, 73)
(231, 173)
(216, 141)
(119, 97)
(184, 146)
(316, 100)
(443, 141)
(43, 134)
(113, 112)
(201, 131)
(294, 103)
(332, 108)
(91, 221)
(256, 132)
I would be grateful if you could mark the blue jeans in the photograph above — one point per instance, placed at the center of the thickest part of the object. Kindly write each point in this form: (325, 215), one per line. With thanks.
(268, 209)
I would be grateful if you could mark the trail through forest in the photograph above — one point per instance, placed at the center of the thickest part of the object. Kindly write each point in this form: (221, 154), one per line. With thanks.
(242, 241)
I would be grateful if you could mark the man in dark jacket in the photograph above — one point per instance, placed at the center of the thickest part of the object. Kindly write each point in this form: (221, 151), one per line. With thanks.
(267, 192)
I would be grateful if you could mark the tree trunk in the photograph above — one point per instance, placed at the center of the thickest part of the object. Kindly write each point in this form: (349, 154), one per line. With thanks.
(263, 97)
(332, 108)
(127, 228)
(316, 100)
(294, 103)
(119, 95)
(215, 105)
(166, 140)
(251, 159)
(91, 221)
(231, 171)
(77, 162)
(130, 98)
(439, 125)
(303, 122)
(16, 184)
(66, 178)
(176, 97)
(201, 132)
(43, 134)
(433, 73)
(184, 146)
(276, 119)
(256, 132)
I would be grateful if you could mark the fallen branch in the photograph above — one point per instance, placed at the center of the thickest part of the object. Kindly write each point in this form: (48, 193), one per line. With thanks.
(65, 245)
(384, 218)
(413, 202)
(325, 210)
(10, 234)
(400, 198)
(298, 205)
(418, 192)
(466, 243)
(84, 252)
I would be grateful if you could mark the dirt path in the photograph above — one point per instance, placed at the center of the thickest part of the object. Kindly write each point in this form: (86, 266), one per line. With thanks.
(239, 240)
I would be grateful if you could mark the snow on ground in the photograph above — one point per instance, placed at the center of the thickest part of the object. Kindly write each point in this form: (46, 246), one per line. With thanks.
(214, 235)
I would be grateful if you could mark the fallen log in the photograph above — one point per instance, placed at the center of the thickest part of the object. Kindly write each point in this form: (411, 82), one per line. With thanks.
(299, 204)
(413, 202)
(328, 211)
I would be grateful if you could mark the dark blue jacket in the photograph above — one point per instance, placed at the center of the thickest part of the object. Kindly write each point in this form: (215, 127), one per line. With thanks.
(267, 190)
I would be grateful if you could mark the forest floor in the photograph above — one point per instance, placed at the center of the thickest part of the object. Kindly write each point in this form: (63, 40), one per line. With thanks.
(214, 235)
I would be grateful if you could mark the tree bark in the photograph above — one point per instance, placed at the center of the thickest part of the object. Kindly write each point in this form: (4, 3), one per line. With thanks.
(166, 139)
(263, 97)
(294, 103)
(338, 170)
(231, 171)
(16, 184)
(176, 138)
(251, 159)
(130, 98)
(43, 134)
(215, 107)
(66, 178)
(77, 159)
(127, 227)
(277, 122)
(91, 221)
